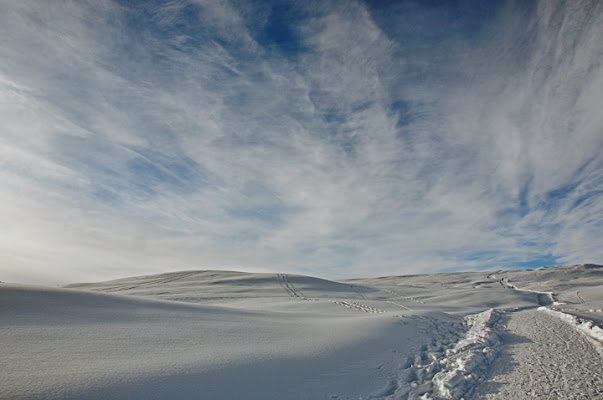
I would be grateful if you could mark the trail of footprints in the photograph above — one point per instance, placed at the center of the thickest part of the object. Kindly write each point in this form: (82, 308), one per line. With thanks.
(359, 307)
(402, 296)
(283, 280)
(416, 373)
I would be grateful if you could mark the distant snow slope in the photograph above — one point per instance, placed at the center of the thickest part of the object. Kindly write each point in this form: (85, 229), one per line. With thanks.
(60, 343)
(225, 335)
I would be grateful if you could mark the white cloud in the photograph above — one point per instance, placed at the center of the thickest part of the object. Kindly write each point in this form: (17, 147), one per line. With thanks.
(131, 146)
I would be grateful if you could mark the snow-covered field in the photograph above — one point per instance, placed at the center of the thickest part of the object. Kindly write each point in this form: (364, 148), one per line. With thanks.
(511, 334)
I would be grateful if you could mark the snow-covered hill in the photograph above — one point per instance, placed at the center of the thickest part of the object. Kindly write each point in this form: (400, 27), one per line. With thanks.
(225, 335)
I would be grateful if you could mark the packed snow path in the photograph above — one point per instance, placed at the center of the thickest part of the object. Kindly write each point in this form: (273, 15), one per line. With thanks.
(543, 357)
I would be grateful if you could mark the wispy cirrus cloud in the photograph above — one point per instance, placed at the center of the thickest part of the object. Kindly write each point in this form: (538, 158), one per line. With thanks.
(328, 139)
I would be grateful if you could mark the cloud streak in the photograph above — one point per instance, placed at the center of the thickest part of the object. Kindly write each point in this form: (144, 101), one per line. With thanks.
(322, 139)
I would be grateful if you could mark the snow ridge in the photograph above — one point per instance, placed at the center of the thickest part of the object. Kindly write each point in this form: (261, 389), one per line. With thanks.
(451, 366)
(588, 328)
(465, 364)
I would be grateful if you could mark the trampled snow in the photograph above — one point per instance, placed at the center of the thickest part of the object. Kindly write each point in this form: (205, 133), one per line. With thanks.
(224, 335)
(588, 328)
(468, 360)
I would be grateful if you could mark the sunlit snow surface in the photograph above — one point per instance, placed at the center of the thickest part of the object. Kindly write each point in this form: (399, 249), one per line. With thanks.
(227, 335)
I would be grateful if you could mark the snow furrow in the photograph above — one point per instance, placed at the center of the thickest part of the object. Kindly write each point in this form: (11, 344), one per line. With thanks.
(283, 280)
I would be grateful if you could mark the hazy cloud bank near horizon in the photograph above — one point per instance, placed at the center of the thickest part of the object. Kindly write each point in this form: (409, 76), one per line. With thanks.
(336, 139)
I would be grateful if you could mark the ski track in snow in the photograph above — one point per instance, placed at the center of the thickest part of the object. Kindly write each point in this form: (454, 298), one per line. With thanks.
(283, 280)
(155, 282)
(290, 288)
(356, 290)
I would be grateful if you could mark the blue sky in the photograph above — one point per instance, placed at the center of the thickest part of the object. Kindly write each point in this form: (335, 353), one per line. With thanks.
(335, 139)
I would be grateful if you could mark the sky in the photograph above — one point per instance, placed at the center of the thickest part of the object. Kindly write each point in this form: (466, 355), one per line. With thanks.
(337, 139)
